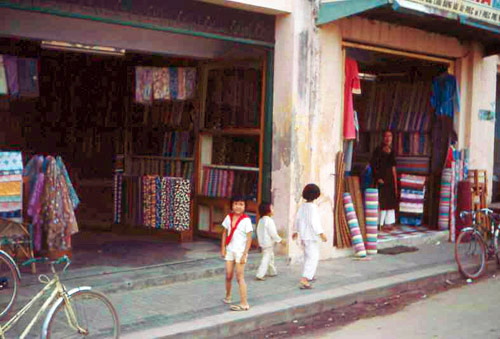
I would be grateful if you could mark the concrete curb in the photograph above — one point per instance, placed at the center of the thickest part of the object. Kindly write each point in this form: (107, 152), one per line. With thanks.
(233, 323)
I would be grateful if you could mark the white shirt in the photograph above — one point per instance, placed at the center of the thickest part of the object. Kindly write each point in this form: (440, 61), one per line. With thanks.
(239, 241)
(266, 232)
(307, 222)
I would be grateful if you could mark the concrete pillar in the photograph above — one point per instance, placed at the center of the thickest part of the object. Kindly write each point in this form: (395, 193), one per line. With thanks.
(303, 136)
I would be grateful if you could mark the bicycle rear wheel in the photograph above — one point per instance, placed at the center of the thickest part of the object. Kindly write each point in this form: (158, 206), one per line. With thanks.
(94, 313)
(470, 254)
(9, 283)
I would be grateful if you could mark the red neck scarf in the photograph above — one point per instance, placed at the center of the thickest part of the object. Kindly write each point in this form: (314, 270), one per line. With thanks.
(230, 236)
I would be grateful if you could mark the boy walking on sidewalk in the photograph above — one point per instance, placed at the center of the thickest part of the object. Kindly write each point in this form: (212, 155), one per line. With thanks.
(267, 237)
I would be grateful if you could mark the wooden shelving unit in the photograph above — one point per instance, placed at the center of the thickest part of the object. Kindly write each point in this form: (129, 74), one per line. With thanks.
(211, 210)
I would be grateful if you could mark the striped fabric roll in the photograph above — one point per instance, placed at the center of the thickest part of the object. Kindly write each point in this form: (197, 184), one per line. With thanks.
(352, 221)
(445, 199)
(371, 217)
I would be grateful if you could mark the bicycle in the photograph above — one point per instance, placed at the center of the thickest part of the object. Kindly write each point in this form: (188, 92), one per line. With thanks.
(69, 316)
(472, 250)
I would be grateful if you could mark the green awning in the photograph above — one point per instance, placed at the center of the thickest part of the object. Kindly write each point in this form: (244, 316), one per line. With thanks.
(482, 26)
(331, 11)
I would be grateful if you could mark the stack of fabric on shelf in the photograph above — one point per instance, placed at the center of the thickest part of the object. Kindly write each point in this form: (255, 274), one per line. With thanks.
(411, 206)
(412, 143)
(150, 165)
(413, 165)
(52, 203)
(153, 202)
(225, 183)
(11, 183)
(233, 98)
(177, 144)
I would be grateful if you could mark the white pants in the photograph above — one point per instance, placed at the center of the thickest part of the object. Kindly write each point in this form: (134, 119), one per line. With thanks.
(311, 258)
(387, 217)
(267, 263)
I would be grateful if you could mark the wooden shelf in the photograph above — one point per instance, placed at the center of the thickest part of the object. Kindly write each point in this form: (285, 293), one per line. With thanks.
(235, 168)
(233, 131)
(158, 157)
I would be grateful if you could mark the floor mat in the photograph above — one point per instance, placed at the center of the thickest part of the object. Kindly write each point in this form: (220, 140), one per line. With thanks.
(403, 231)
(397, 250)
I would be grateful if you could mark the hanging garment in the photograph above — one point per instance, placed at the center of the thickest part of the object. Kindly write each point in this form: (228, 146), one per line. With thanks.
(352, 85)
(445, 95)
(3, 78)
(10, 63)
(27, 69)
(144, 84)
(161, 81)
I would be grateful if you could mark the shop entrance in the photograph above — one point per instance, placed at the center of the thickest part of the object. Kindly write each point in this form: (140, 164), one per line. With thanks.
(154, 145)
(396, 92)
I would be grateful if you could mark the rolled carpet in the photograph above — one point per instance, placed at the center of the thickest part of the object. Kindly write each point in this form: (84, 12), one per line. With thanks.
(445, 200)
(352, 221)
(371, 217)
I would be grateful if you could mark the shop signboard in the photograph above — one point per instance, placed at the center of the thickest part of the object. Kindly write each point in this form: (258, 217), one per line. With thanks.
(487, 11)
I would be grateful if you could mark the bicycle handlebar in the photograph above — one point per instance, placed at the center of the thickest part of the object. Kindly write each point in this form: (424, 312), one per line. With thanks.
(42, 260)
(485, 211)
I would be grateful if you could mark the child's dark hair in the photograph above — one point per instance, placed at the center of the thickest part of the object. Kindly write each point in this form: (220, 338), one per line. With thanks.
(235, 198)
(264, 209)
(311, 192)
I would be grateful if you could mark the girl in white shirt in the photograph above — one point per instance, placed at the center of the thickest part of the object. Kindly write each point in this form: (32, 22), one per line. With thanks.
(308, 226)
(236, 242)
(267, 236)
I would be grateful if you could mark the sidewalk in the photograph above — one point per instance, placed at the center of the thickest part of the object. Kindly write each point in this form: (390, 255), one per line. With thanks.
(192, 306)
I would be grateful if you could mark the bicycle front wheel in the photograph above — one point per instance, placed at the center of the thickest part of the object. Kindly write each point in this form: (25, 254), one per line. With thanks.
(470, 254)
(94, 317)
(9, 283)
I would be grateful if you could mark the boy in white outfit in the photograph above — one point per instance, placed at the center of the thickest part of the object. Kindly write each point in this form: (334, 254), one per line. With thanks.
(308, 226)
(267, 237)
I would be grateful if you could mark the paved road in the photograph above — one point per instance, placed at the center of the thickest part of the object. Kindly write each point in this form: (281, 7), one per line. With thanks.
(467, 312)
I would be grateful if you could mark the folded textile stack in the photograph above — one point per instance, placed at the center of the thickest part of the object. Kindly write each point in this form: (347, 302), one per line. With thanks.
(11, 183)
(413, 165)
(411, 206)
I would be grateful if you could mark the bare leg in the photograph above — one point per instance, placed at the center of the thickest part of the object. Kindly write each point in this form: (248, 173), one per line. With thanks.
(240, 277)
(229, 278)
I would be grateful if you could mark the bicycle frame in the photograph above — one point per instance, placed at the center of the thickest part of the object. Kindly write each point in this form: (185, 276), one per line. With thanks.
(58, 291)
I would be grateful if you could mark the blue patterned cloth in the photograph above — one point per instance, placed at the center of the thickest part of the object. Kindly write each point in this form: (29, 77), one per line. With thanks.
(11, 161)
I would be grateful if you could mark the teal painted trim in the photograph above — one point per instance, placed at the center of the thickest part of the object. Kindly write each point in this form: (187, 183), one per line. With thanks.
(268, 130)
(66, 14)
(332, 11)
(466, 21)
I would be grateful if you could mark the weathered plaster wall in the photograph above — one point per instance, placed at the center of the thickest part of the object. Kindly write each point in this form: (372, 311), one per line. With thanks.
(481, 94)
(302, 135)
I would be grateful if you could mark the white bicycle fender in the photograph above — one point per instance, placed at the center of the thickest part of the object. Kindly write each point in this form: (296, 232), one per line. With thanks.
(49, 315)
